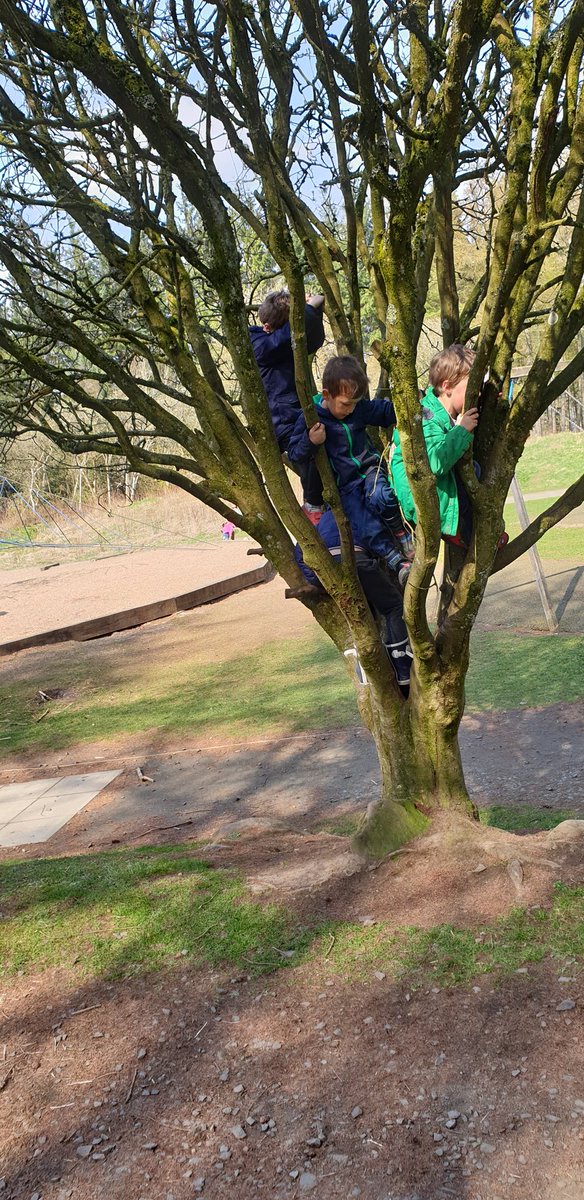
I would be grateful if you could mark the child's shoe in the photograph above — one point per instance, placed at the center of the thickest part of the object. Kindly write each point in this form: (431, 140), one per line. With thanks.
(313, 512)
(406, 543)
(400, 654)
(503, 540)
(403, 574)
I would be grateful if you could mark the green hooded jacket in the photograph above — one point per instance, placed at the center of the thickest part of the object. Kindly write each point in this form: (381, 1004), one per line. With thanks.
(445, 444)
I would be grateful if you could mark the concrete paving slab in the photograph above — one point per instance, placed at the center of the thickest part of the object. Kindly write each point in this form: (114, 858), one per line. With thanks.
(33, 811)
(91, 782)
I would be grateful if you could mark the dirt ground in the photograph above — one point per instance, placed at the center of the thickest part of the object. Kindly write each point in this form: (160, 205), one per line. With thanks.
(38, 598)
(198, 1082)
(205, 1083)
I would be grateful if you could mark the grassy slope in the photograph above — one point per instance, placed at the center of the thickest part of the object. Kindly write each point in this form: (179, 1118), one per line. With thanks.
(127, 912)
(550, 463)
(287, 686)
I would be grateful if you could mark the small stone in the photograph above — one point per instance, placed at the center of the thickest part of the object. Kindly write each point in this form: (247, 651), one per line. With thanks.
(238, 1089)
(294, 1174)
(307, 1181)
(565, 1005)
(97, 1156)
(453, 1114)
(198, 1184)
(142, 1053)
(149, 1145)
(380, 975)
(36, 1196)
(357, 1111)
(83, 1151)
(487, 1148)
(224, 1076)
(239, 1132)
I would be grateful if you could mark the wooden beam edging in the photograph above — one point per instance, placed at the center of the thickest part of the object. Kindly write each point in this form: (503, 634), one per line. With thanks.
(143, 614)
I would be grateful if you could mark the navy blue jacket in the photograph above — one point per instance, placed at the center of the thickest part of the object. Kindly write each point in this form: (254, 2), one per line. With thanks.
(328, 530)
(369, 533)
(275, 359)
(350, 451)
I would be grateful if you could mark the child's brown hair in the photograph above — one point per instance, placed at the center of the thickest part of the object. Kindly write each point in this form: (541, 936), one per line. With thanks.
(344, 369)
(450, 366)
(274, 310)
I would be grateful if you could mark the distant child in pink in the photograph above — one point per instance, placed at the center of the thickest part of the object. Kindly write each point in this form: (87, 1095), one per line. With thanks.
(228, 531)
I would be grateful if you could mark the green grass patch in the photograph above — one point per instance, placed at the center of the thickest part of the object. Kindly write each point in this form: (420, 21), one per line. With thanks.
(551, 463)
(447, 955)
(523, 818)
(507, 671)
(132, 911)
(129, 912)
(285, 687)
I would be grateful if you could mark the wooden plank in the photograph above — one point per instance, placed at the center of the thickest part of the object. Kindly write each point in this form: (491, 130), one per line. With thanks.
(143, 614)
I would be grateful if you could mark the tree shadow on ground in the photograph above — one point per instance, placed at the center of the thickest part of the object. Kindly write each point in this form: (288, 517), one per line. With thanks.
(376, 1087)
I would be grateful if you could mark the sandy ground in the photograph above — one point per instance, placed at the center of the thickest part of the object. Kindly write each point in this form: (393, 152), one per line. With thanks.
(35, 599)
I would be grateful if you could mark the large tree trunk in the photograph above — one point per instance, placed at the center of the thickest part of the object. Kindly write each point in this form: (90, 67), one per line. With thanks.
(419, 757)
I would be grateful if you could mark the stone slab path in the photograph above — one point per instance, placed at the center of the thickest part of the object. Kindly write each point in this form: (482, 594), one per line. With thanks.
(35, 810)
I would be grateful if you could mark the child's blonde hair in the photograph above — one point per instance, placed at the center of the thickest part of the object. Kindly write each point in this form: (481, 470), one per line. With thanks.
(450, 366)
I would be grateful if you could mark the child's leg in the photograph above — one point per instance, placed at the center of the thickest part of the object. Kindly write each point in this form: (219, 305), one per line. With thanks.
(386, 599)
(382, 500)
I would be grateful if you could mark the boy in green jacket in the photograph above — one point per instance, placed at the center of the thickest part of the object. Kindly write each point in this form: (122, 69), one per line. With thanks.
(448, 433)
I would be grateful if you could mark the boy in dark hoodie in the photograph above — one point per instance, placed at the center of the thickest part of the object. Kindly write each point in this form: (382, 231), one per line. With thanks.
(272, 346)
(367, 497)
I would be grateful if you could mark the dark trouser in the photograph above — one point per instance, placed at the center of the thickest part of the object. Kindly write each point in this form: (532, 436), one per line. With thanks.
(309, 476)
(311, 483)
(382, 500)
(383, 596)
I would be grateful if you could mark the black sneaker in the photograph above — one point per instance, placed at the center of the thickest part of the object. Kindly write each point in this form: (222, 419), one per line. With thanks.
(400, 655)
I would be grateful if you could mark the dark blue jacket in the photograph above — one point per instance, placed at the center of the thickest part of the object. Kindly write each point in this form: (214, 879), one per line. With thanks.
(369, 535)
(350, 451)
(275, 359)
(328, 530)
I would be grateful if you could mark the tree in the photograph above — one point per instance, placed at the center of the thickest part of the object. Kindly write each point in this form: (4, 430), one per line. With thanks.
(137, 140)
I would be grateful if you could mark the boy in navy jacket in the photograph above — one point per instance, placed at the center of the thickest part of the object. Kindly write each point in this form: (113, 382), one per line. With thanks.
(272, 346)
(366, 494)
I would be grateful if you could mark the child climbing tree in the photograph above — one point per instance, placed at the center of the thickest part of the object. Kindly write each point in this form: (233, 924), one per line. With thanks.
(355, 145)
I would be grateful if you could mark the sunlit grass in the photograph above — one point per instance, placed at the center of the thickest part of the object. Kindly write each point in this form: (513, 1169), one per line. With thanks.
(285, 687)
(131, 912)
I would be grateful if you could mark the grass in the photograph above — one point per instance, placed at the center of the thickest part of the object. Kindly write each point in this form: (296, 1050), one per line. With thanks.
(448, 956)
(129, 912)
(125, 911)
(551, 463)
(285, 687)
(523, 818)
(563, 541)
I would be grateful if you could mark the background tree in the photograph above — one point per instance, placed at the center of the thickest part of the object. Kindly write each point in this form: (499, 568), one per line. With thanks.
(140, 138)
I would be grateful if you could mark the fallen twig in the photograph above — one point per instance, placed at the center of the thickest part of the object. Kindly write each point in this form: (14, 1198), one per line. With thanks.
(76, 1012)
(200, 1030)
(330, 945)
(134, 1078)
(142, 777)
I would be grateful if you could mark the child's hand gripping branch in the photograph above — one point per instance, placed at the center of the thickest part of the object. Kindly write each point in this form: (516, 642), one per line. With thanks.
(469, 419)
(317, 434)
